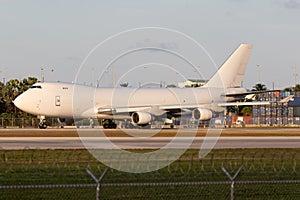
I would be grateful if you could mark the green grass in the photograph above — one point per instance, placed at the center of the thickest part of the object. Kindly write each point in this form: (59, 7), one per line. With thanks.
(37, 167)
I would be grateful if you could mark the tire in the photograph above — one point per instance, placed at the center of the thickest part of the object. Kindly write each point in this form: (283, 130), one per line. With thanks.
(43, 126)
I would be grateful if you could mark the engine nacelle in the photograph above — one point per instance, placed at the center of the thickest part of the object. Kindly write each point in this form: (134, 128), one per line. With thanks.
(141, 118)
(202, 114)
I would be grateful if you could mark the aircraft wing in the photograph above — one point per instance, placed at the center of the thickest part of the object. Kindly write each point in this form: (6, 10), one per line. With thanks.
(161, 109)
(172, 107)
(146, 108)
(252, 103)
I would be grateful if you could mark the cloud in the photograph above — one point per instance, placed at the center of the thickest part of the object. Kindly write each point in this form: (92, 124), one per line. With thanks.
(154, 46)
(292, 4)
(160, 45)
(289, 4)
(72, 58)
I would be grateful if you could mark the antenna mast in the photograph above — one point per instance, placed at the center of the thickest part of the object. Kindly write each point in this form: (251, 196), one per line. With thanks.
(42, 75)
(295, 76)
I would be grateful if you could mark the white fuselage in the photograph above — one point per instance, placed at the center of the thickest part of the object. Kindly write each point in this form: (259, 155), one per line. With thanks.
(71, 100)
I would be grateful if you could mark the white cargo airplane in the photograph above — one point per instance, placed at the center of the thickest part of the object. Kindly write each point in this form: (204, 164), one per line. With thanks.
(140, 105)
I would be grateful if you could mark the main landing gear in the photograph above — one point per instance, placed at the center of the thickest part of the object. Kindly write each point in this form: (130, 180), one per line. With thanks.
(109, 124)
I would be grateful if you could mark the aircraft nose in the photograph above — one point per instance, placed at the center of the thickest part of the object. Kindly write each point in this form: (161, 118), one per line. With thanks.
(18, 102)
(26, 102)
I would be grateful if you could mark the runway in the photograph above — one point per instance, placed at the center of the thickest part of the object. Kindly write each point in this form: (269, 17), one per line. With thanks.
(73, 132)
(9, 143)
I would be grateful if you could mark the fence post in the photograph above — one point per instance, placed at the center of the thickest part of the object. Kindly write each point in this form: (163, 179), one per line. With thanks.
(98, 181)
(232, 178)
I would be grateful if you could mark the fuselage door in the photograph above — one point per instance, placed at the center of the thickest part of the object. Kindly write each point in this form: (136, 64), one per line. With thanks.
(57, 100)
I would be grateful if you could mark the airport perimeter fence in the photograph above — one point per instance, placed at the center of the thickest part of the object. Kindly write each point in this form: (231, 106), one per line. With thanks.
(25, 122)
(222, 174)
(86, 123)
(33, 122)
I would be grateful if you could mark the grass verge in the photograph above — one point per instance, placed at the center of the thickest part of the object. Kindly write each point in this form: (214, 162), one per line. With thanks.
(41, 167)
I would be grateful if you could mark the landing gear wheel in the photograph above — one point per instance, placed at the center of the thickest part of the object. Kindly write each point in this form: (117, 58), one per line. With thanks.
(109, 125)
(42, 125)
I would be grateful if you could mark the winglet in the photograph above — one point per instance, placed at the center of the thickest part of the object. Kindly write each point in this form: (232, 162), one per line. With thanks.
(231, 73)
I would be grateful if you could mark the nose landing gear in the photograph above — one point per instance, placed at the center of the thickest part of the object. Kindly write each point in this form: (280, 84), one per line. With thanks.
(42, 124)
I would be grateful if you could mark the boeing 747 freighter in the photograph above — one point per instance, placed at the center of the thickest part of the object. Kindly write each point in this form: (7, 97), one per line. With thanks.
(140, 105)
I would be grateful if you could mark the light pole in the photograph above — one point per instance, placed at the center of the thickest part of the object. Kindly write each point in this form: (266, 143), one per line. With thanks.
(4, 74)
(258, 73)
(42, 75)
(295, 76)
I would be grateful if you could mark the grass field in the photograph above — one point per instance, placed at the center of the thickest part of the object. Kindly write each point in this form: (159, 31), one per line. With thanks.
(41, 167)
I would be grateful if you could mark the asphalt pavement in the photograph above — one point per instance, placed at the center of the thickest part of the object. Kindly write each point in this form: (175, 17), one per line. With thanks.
(148, 143)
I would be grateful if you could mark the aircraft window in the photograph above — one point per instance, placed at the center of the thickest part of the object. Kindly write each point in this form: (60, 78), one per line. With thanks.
(36, 86)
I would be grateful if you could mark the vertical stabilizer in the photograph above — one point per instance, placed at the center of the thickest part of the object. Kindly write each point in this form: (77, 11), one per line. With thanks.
(231, 73)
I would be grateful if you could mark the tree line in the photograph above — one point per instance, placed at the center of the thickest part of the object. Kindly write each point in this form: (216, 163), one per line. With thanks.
(8, 92)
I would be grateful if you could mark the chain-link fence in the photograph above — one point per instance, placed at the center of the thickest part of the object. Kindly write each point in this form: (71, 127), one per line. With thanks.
(33, 122)
(26, 122)
(223, 174)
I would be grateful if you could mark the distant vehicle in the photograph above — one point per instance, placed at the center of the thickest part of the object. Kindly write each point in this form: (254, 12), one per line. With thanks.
(141, 105)
(240, 121)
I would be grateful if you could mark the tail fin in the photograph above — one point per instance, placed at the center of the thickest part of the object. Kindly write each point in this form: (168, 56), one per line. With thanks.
(231, 73)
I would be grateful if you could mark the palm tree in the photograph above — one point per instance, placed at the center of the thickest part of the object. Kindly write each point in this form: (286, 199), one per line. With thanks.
(26, 83)
(288, 89)
(259, 87)
(124, 84)
(297, 88)
(246, 111)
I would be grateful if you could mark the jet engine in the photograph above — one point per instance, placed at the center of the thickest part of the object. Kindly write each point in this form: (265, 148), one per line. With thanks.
(141, 118)
(202, 114)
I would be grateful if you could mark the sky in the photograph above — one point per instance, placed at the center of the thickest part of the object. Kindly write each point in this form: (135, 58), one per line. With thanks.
(79, 41)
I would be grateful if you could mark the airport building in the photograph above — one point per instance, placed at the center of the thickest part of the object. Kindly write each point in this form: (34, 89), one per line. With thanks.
(192, 83)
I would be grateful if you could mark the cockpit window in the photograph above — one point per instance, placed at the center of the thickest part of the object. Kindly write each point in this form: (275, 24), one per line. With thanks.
(36, 86)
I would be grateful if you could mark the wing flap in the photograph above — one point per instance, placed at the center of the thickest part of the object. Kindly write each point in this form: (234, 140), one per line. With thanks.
(118, 110)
